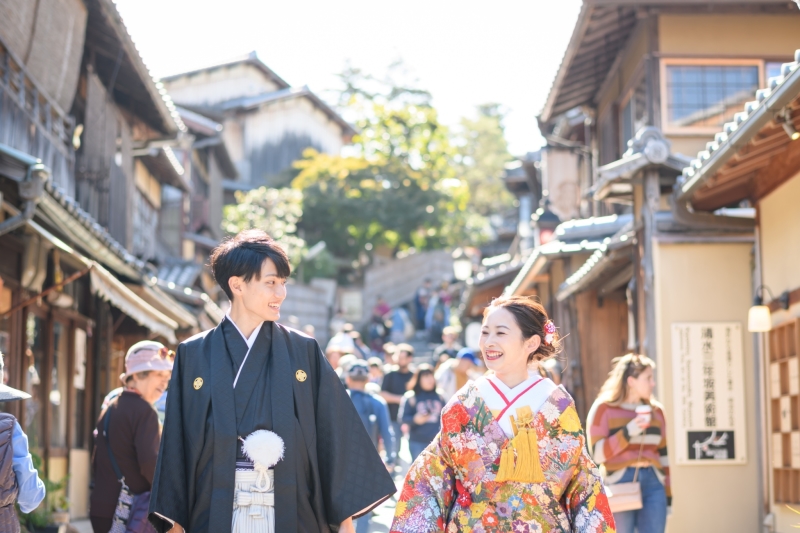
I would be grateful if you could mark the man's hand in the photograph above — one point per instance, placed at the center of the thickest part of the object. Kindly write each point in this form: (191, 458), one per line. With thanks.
(347, 526)
(176, 529)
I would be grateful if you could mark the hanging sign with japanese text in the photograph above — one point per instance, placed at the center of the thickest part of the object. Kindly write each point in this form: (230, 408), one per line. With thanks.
(708, 393)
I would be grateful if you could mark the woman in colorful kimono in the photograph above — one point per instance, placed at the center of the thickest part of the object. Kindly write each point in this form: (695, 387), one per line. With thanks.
(511, 455)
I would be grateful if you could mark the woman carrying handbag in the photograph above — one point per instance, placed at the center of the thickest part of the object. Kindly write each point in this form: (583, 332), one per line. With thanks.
(627, 437)
(126, 443)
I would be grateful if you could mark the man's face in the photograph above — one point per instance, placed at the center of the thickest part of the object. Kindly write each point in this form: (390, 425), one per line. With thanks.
(333, 357)
(403, 359)
(448, 338)
(262, 295)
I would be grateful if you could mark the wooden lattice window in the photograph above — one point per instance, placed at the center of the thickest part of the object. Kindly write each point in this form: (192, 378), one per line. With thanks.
(785, 411)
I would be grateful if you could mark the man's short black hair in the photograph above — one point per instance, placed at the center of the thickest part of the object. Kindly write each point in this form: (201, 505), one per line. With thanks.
(243, 255)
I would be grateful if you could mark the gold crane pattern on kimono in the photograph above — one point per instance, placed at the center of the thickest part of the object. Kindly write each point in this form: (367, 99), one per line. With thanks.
(453, 485)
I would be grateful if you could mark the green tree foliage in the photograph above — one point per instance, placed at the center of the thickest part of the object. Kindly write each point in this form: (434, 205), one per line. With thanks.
(483, 154)
(399, 188)
(276, 211)
(403, 183)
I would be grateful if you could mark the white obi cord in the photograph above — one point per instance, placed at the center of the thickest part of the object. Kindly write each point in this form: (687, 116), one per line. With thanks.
(254, 502)
(254, 490)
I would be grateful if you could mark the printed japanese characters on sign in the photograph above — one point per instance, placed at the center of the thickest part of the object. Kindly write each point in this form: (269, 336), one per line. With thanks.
(708, 393)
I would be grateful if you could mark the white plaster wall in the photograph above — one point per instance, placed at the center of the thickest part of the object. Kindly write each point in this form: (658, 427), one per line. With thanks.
(561, 172)
(779, 217)
(707, 283)
(219, 84)
(296, 115)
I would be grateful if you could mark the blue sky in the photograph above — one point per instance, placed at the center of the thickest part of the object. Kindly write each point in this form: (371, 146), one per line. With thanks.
(466, 53)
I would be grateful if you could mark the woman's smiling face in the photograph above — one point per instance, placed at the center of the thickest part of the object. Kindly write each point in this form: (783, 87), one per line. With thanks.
(502, 344)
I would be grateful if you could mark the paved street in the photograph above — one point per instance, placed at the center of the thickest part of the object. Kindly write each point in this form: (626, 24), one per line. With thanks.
(382, 518)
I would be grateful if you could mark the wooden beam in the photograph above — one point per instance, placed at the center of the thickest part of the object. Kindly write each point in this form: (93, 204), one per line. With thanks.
(622, 277)
(780, 170)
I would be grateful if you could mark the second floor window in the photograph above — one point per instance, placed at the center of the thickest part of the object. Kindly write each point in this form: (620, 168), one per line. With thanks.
(633, 113)
(704, 95)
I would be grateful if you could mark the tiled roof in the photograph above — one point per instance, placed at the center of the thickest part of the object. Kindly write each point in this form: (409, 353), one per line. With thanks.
(158, 94)
(766, 99)
(250, 58)
(92, 226)
(180, 274)
(602, 258)
(198, 123)
(495, 272)
(249, 102)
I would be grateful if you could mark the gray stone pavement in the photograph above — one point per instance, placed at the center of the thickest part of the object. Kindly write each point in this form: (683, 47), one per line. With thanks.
(382, 517)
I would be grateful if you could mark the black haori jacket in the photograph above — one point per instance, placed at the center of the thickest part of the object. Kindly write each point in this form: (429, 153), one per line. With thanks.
(330, 470)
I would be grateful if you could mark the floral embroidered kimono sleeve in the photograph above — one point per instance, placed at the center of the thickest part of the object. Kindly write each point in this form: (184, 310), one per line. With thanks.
(427, 493)
(584, 498)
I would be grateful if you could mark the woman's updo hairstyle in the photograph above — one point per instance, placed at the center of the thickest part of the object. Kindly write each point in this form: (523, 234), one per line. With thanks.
(531, 319)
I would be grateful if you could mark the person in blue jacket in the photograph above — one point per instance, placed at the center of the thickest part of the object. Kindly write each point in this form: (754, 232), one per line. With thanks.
(22, 479)
(374, 414)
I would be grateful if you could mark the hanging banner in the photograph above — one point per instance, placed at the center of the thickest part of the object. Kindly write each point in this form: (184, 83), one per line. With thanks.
(708, 393)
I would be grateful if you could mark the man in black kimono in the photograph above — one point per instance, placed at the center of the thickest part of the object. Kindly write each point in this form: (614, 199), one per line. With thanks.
(251, 373)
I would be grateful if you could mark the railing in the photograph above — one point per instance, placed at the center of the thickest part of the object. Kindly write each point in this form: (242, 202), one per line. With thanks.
(33, 123)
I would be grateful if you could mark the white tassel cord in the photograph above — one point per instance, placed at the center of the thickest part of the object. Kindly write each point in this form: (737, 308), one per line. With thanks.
(263, 447)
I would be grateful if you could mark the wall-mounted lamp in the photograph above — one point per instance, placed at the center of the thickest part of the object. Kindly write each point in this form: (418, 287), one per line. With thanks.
(788, 125)
(759, 317)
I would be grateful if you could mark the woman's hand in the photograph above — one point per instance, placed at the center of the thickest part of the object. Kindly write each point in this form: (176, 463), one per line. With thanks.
(643, 421)
(421, 418)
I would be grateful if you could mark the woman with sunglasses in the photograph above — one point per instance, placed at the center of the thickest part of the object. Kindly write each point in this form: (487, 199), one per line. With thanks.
(628, 437)
(133, 435)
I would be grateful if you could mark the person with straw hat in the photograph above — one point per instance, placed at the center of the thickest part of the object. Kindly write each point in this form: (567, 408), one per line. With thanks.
(19, 480)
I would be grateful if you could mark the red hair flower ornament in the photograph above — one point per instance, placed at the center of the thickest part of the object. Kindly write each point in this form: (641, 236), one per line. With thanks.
(549, 332)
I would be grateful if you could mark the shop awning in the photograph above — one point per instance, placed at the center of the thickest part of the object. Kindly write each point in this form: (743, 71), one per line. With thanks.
(110, 289)
(166, 304)
(609, 268)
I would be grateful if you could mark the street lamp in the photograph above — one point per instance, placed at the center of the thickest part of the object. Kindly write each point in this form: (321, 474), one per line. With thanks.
(462, 265)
